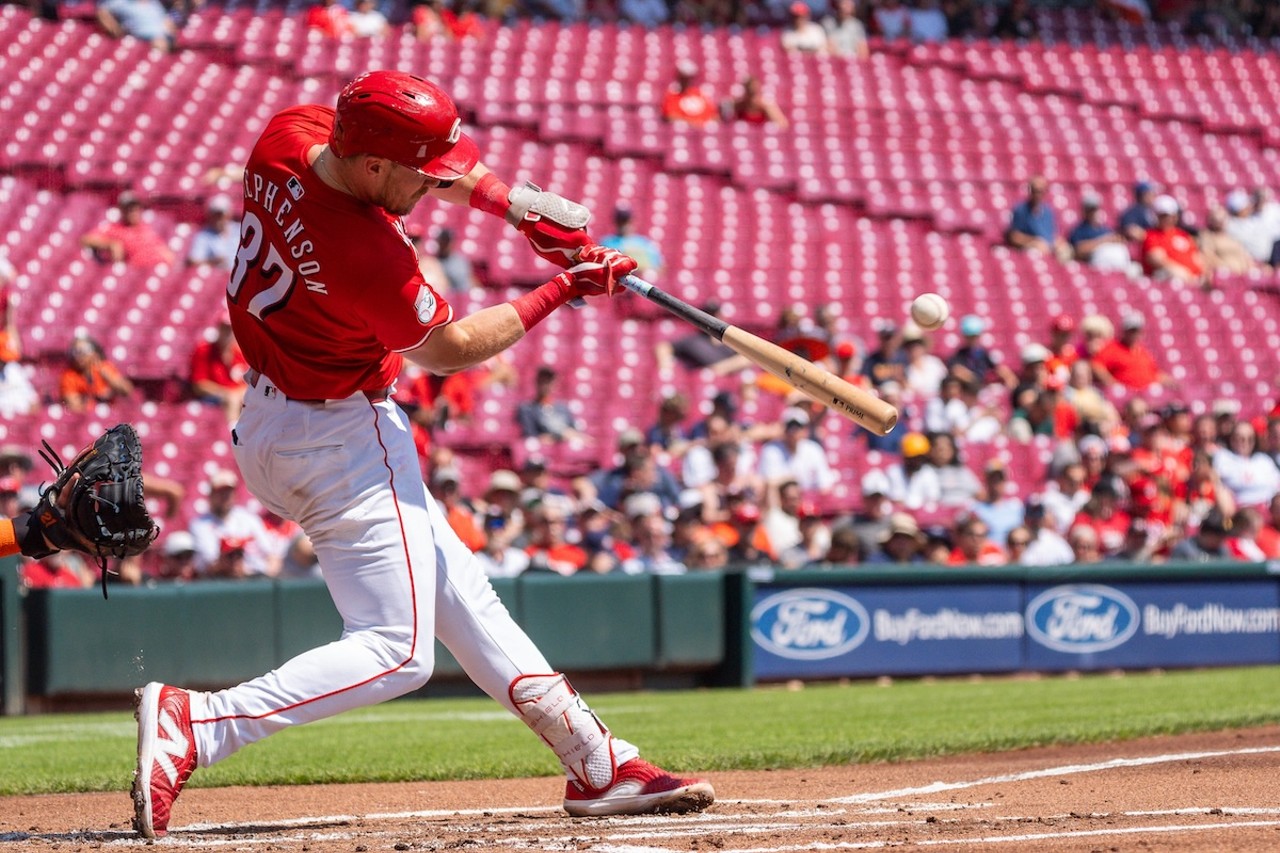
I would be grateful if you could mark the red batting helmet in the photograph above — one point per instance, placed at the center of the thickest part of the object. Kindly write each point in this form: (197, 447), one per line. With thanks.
(406, 119)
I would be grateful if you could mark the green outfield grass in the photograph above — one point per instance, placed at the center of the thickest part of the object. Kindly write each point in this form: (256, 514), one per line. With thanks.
(701, 730)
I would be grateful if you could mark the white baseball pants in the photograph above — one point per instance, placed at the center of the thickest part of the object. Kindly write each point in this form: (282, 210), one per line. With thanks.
(347, 471)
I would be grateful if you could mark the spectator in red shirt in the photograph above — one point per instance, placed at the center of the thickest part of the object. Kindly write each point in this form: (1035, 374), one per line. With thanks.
(1104, 516)
(548, 550)
(329, 18)
(1063, 353)
(90, 378)
(1168, 252)
(129, 238)
(685, 101)
(217, 370)
(1126, 360)
(973, 546)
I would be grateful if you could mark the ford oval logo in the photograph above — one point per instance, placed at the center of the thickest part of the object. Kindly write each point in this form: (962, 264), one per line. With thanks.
(1082, 618)
(809, 624)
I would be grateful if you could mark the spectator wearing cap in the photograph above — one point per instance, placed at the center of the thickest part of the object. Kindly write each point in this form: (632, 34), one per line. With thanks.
(1208, 544)
(1042, 412)
(650, 538)
(1104, 512)
(846, 35)
(999, 506)
(502, 499)
(90, 378)
(891, 19)
(1094, 412)
(1033, 226)
(536, 483)
(544, 417)
(913, 482)
(1249, 227)
(1033, 371)
(744, 535)
(901, 542)
(924, 371)
(891, 393)
(1046, 546)
(814, 544)
(958, 485)
(217, 368)
(1168, 252)
(178, 557)
(1250, 474)
(887, 362)
(638, 471)
(1095, 243)
(641, 247)
(1139, 217)
(128, 237)
(216, 243)
(145, 20)
(685, 102)
(795, 456)
(804, 35)
(973, 362)
(1222, 252)
(1242, 544)
(1096, 331)
(1126, 360)
(231, 540)
(973, 545)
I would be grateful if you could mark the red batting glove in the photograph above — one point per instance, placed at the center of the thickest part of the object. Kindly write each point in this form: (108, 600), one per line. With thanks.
(596, 271)
(552, 241)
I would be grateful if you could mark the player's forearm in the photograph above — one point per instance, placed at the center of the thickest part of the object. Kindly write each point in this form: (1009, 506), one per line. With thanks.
(470, 341)
(460, 191)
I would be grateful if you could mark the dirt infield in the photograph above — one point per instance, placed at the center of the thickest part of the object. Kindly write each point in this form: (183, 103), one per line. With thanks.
(1209, 792)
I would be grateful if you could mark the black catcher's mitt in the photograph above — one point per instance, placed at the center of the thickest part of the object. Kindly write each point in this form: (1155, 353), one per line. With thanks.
(104, 513)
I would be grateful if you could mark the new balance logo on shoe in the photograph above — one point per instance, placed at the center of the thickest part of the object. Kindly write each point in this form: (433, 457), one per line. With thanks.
(171, 743)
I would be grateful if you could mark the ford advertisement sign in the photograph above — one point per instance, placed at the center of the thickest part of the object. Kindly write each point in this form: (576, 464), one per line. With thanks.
(809, 624)
(1156, 623)
(824, 632)
(1082, 618)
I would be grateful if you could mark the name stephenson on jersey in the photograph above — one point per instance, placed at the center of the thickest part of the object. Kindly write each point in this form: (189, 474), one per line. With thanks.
(362, 299)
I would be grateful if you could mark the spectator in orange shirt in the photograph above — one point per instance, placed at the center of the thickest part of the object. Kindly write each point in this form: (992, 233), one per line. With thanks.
(90, 378)
(446, 484)
(1126, 360)
(685, 101)
(548, 550)
(128, 238)
(329, 18)
(1168, 252)
(972, 545)
(217, 370)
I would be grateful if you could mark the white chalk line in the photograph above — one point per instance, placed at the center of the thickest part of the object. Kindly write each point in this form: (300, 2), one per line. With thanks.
(955, 842)
(1050, 772)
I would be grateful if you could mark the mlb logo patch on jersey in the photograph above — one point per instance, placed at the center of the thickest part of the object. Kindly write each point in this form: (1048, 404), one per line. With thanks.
(425, 305)
(294, 186)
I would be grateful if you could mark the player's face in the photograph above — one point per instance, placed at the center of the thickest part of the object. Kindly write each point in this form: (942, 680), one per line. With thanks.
(402, 188)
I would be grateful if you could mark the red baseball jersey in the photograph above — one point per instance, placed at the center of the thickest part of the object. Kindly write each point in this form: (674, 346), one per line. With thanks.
(325, 292)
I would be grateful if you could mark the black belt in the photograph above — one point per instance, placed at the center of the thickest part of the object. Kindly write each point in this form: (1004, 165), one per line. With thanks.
(252, 377)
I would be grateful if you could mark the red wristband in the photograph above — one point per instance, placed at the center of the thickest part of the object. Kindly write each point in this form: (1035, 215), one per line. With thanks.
(490, 195)
(537, 304)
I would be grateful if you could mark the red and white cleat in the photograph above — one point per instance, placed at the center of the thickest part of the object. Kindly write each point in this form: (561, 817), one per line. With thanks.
(639, 788)
(166, 755)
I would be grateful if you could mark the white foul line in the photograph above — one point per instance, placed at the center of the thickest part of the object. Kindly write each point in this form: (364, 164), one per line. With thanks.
(1049, 772)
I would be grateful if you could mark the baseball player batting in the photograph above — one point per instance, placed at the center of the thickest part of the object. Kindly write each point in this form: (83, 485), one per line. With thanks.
(327, 301)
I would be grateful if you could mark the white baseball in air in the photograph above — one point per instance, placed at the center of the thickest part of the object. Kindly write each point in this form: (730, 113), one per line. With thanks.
(930, 311)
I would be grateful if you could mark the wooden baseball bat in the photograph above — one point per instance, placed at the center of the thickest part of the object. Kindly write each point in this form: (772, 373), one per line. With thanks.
(862, 407)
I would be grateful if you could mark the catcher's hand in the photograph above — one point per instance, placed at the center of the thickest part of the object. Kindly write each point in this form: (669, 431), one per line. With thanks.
(96, 503)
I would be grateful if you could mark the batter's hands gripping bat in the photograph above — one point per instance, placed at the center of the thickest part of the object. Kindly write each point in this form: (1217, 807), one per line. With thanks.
(862, 407)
